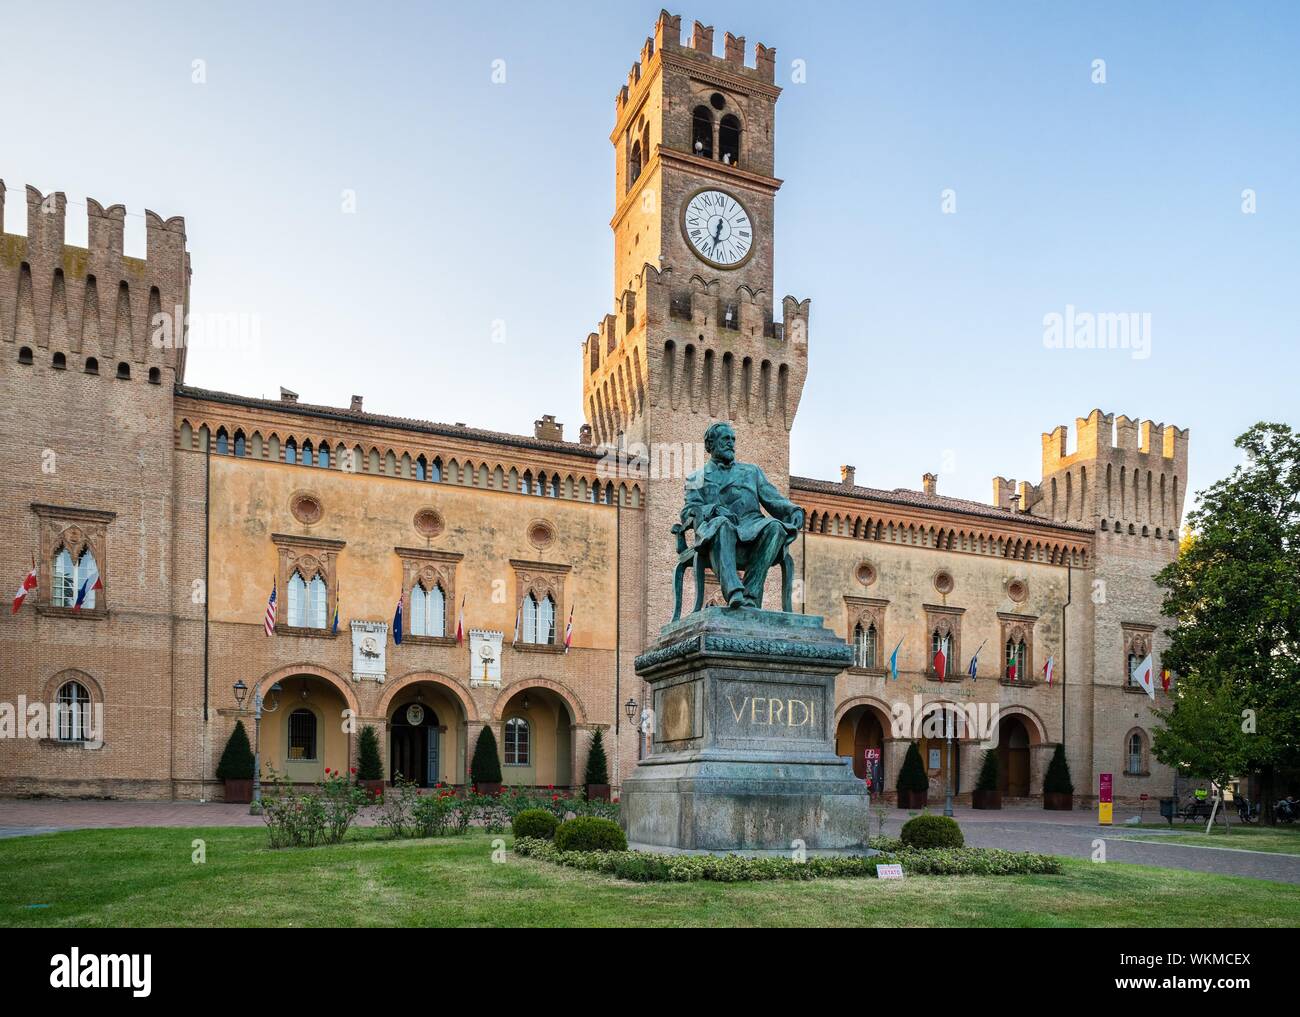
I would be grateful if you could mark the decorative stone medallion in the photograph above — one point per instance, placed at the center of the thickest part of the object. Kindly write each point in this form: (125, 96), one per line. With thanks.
(306, 507)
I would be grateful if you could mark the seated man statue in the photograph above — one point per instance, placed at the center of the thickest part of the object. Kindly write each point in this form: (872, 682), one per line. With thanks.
(724, 505)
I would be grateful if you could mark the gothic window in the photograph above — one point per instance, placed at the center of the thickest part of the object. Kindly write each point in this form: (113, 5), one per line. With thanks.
(302, 735)
(866, 628)
(516, 738)
(1136, 746)
(307, 602)
(241, 445)
(323, 456)
(634, 163)
(1013, 667)
(864, 646)
(223, 442)
(306, 579)
(435, 471)
(538, 619)
(1137, 646)
(526, 483)
(72, 577)
(729, 140)
(73, 711)
(943, 631)
(428, 611)
(419, 468)
(290, 451)
(702, 132)
(306, 453)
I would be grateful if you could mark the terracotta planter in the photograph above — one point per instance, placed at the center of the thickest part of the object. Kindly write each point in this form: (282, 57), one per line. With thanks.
(1058, 801)
(375, 787)
(986, 799)
(597, 792)
(912, 799)
(239, 792)
(487, 788)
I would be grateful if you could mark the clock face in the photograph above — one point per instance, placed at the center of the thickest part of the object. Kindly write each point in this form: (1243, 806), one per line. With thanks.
(719, 228)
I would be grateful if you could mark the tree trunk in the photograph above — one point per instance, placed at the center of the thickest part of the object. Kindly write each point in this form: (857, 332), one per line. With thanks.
(1266, 792)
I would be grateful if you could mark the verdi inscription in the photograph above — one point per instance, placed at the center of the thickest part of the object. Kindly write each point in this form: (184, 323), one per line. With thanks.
(764, 710)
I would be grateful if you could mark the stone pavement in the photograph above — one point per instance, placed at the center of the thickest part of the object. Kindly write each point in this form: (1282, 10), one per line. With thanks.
(1017, 828)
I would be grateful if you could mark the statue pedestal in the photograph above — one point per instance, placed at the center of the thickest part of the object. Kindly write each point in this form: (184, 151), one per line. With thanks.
(743, 756)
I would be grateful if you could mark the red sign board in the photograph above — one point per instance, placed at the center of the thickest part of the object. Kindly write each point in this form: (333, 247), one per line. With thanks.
(1106, 784)
(1144, 797)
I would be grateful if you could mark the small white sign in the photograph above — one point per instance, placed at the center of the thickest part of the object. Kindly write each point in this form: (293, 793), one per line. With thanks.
(369, 650)
(889, 871)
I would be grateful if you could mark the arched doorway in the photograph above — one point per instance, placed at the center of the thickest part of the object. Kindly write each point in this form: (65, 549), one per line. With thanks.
(937, 754)
(1013, 757)
(535, 739)
(860, 735)
(415, 744)
(302, 730)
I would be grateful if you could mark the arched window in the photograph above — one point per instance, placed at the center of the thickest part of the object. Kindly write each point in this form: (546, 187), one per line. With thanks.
(539, 485)
(73, 712)
(306, 453)
(702, 132)
(435, 471)
(419, 468)
(71, 577)
(307, 602)
(538, 619)
(241, 444)
(302, 735)
(223, 442)
(1015, 665)
(1135, 753)
(634, 163)
(92, 365)
(729, 140)
(323, 456)
(526, 482)
(60, 362)
(428, 611)
(555, 486)
(124, 371)
(290, 451)
(864, 645)
(25, 355)
(155, 375)
(517, 742)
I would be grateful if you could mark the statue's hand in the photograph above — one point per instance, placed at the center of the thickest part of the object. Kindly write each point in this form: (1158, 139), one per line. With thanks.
(796, 518)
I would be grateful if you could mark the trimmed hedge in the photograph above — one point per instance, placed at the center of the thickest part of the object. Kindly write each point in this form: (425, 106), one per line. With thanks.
(369, 766)
(932, 832)
(990, 777)
(536, 823)
(643, 867)
(1057, 779)
(590, 833)
(912, 777)
(485, 767)
(237, 758)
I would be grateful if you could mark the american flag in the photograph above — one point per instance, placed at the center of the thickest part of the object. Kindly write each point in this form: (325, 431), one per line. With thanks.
(270, 612)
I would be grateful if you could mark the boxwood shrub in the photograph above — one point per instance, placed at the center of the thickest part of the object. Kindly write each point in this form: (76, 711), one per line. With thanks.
(537, 823)
(590, 833)
(932, 832)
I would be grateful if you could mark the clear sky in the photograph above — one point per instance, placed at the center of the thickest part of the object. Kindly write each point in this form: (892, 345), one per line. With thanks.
(479, 202)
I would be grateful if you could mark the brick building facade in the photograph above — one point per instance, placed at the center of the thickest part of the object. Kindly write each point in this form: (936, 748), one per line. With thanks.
(190, 505)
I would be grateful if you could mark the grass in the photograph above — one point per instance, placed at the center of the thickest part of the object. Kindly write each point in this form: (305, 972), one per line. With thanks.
(145, 877)
(1282, 840)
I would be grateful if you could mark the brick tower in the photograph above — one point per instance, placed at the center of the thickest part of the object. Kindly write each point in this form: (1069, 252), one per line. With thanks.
(693, 338)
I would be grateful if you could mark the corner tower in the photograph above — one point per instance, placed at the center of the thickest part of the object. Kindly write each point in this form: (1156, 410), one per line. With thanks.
(693, 337)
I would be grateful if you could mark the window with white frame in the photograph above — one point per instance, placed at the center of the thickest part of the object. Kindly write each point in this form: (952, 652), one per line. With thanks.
(428, 611)
(73, 712)
(516, 737)
(307, 602)
(538, 619)
(70, 577)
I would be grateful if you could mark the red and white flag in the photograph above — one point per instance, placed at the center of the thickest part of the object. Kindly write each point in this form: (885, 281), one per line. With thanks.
(1143, 676)
(460, 622)
(941, 660)
(568, 630)
(28, 584)
(270, 611)
(1049, 669)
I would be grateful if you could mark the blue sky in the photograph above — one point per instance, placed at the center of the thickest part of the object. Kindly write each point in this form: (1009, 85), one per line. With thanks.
(479, 202)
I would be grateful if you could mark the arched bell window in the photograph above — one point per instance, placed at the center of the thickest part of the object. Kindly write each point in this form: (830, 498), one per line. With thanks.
(729, 140)
(702, 132)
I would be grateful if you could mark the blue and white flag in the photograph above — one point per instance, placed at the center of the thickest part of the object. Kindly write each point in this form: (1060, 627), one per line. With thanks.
(397, 623)
(893, 662)
(974, 662)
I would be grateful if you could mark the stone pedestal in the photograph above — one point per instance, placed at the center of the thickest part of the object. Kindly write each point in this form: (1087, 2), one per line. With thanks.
(743, 753)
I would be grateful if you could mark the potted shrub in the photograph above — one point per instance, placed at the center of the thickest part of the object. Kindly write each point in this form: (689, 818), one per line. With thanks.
(1058, 790)
(913, 784)
(485, 767)
(370, 771)
(988, 791)
(597, 776)
(236, 766)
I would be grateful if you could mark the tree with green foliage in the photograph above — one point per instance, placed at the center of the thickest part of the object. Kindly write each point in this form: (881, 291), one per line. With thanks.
(237, 757)
(597, 767)
(369, 766)
(1057, 780)
(485, 767)
(1234, 591)
(989, 775)
(912, 776)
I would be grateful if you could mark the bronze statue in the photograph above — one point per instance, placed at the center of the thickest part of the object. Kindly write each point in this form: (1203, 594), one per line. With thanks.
(724, 506)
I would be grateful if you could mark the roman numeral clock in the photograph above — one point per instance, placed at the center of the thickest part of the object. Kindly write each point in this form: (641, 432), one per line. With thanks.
(718, 228)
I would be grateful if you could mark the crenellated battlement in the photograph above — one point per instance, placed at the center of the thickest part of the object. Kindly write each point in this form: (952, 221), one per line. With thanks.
(667, 39)
(1125, 475)
(93, 303)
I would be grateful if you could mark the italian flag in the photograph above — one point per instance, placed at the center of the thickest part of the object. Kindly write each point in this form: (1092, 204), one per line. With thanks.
(1011, 666)
(460, 622)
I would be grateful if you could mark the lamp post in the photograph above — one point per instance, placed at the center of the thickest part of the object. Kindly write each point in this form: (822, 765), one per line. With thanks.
(948, 726)
(241, 693)
(629, 708)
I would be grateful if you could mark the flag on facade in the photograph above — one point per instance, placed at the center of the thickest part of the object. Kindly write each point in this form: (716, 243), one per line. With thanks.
(460, 622)
(893, 662)
(270, 611)
(1144, 677)
(974, 663)
(397, 623)
(568, 629)
(1011, 666)
(1164, 679)
(334, 628)
(519, 616)
(28, 584)
(91, 582)
(941, 660)
(1049, 669)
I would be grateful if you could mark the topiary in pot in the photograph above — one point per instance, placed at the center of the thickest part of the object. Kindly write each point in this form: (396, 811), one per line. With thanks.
(236, 766)
(597, 776)
(485, 768)
(1058, 789)
(534, 823)
(988, 789)
(932, 832)
(913, 785)
(370, 771)
(590, 833)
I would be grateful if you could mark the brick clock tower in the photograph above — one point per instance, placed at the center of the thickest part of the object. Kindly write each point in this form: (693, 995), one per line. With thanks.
(693, 338)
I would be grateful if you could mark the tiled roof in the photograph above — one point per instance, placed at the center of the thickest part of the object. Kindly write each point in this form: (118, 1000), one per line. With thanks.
(338, 413)
(918, 499)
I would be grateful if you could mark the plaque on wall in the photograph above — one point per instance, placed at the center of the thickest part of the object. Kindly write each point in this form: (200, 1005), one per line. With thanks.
(485, 658)
(369, 650)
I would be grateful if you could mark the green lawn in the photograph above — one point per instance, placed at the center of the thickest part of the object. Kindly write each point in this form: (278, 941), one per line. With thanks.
(1283, 840)
(143, 877)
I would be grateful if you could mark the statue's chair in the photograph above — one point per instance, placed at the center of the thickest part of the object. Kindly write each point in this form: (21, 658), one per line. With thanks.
(697, 560)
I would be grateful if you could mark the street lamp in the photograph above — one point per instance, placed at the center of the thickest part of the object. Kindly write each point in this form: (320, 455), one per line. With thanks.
(241, 693)
(630, 709)
(948, 725)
